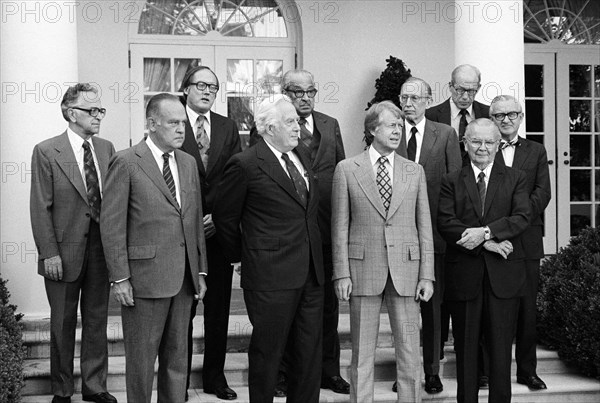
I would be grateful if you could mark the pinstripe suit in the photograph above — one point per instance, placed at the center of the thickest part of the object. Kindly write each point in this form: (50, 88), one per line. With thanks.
(383, 254)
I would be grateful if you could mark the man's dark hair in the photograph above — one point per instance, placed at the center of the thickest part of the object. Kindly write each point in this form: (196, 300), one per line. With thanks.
(190, 73)
(72, 96)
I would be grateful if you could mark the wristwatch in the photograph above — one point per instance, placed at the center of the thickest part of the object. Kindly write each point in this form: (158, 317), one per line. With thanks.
(487, 234)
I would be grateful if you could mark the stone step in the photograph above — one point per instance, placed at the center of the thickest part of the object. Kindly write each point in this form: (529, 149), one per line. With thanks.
(37, 371)
(563, 388)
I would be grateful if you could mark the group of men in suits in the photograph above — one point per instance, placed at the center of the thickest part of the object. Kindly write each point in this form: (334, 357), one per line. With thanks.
(304, 236)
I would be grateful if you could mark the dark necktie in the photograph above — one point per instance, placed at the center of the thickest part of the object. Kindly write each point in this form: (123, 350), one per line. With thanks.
(169, 176)
(481, 188)
(383, 183)
(412, 144)
(91, 182)
(202, 140)
(297, 179)
(462, 127)
(305, 135)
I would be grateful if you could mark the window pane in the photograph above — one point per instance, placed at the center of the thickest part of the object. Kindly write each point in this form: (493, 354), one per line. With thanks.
(534, 80)
(579, 80)
(181, 66)
(241, 111)
(580, 151)
(579, 116)
(538, 138)
(269, 74)
(580, 217)
(597, 79)
(597, 114)
(535, 115)
(157, 75)
(240, 76)
(580, 185)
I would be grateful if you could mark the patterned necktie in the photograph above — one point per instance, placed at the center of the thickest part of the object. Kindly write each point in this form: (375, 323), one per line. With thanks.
(297, 179)
(481, 188)
(462, 127)
(202, 140)
(169, 176)
(412, 144)
(91, 182)
(305, 135)
(505, 144)
(383, 183)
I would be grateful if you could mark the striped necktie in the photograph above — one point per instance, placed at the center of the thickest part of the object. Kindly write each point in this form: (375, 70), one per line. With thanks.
(169, 176)
(91, 182)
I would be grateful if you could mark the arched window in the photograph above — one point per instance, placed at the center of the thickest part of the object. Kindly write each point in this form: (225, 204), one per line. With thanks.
(572, 22)
(248, 43)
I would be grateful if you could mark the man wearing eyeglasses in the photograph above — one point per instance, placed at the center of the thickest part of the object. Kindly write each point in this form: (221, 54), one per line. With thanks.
(483, 211)
(435, 147)
(531, 158)
(461, 108)
(68, 173)
(321, 144)
(211, 139)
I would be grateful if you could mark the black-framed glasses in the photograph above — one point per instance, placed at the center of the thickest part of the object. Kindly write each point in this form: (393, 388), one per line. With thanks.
(500, 116)
(201, 86)
(94, 112)
(461, 91)
(413, 98)
(298, 93)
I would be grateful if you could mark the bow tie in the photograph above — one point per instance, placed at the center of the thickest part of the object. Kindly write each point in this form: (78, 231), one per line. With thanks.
(514, 143)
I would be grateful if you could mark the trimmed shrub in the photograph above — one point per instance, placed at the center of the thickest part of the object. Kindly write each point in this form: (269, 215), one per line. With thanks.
(568, 302)
(389, 83)
(11, 349)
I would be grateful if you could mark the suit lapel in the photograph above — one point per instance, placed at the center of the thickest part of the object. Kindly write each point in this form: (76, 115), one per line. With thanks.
(322, 125)
(184, 179)
(191, 147)
(148, 164)
(67, 162)
(217, 140)
(471, 185)
(445, 112)
(366, 180)
(102, 158)
(401, 185)
(496, 177)
(429, 138)
(402, 147)
(268, 164)
(521, 153)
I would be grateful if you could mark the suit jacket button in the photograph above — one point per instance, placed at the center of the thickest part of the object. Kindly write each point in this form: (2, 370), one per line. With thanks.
(388, 224)
(87, 214)
(85, 235)
(182, 244)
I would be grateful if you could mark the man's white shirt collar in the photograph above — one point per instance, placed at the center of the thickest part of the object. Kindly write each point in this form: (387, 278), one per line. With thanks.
(193, 117)
(455, 110)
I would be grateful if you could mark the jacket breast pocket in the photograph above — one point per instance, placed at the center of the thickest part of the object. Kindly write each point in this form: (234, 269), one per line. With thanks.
(263, 243)
(356, 251)
(141, 252)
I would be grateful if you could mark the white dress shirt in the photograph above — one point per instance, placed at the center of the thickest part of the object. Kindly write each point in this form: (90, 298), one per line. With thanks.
(193, 117)
(77, 146)
(420, 131)
(455, 115)
(310, 123)
(374, 156)
(487, 171)
(508, 153)
(158, 157)
(295, 160)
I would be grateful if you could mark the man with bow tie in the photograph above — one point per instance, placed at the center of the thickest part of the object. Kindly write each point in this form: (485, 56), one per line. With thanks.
(531, 158)
(211, 139)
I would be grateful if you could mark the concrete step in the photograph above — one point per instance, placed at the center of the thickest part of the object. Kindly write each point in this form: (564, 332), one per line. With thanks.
(37, 371)
(563, 388)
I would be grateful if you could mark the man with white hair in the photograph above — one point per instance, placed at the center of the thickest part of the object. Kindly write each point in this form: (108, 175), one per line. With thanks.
(266, 217)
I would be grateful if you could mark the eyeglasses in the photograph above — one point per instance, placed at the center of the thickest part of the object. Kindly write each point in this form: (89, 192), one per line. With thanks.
(413, 98)
(500, 116)
(201, 86)
(461, 91)
(94, 112)
(479, 143)
(300, 93)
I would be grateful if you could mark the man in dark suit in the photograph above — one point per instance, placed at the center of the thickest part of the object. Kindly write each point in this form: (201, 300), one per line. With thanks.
(68, 174)
(321, 144)
(267, 217)
(483, 209)
(211, 139)
(461, 108)
(531, 158)
(435, 147)
(152, 230)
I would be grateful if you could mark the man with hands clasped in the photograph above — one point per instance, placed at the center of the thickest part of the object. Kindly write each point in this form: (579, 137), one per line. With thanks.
(382, 247)
(483, 209)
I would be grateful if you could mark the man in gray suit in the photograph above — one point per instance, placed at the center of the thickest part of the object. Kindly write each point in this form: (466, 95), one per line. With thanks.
(68, 173)
(155, 249)
(435, 147)
(382, 247)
